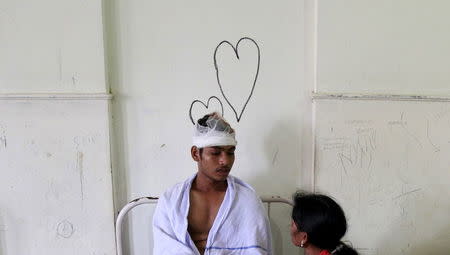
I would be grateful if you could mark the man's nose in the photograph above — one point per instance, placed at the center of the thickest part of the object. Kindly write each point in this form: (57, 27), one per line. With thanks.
(224, 159)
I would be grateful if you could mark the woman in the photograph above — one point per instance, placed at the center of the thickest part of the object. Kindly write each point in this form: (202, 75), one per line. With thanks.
(318, 224)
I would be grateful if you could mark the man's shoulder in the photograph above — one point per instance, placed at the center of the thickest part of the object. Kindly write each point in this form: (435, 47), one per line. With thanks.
(248, 201)
(244, 189)
(240, 184)
(177, 189)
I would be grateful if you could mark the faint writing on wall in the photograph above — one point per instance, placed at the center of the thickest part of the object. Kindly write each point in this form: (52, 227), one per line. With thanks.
(85, 140)
(3, 142)
(356, 151)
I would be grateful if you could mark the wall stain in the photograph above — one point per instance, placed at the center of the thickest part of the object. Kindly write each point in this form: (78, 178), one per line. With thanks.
(275, 155)
(60, 65)
(74, 80)
(3, 140)
(80, 170)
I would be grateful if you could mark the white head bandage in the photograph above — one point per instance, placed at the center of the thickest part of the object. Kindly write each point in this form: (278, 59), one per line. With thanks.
(215, 131)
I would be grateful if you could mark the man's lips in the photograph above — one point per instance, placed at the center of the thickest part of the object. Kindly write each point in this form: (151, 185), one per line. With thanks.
(223, 170)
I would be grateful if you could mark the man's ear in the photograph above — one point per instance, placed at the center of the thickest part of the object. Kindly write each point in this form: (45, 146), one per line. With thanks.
(195, 153)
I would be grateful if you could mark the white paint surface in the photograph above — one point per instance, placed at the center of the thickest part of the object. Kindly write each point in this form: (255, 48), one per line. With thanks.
(161, 60)
(56, 182)
(387, 163)
(384, 47)
(51, 46)
(380, 151)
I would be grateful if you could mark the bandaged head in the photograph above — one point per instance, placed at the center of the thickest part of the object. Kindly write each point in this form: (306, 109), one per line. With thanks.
(213, 130)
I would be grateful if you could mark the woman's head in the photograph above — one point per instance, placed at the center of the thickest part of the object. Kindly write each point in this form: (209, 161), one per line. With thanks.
(319, 221)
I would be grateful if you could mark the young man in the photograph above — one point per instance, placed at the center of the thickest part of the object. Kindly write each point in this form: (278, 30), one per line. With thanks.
(212, 212)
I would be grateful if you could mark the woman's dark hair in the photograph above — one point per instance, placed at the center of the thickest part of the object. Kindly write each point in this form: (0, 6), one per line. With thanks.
(323, 220)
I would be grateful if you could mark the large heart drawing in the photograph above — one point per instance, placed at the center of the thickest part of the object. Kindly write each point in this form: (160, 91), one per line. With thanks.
(236, 51)
(205, 105)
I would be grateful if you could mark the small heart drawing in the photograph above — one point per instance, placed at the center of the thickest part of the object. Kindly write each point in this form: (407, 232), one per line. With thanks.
(203, 112)
(234, 79)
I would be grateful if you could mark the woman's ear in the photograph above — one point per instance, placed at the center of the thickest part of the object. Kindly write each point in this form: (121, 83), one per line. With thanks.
(295, 234)
(299, 238)
(304, 239)
(195, 153)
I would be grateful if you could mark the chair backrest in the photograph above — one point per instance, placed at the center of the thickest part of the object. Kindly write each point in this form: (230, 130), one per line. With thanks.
(153, 200)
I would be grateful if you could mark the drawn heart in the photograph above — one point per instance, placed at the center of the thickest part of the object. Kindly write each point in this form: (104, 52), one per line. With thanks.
(207, 105)
(224, 74)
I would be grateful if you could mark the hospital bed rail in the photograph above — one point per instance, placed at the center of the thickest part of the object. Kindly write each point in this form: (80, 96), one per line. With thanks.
(154, 200)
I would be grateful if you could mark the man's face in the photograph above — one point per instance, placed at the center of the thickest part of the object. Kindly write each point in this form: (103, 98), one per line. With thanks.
(215, 162)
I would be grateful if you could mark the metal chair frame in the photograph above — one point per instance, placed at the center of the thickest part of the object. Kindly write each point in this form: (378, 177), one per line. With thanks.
(153, 200)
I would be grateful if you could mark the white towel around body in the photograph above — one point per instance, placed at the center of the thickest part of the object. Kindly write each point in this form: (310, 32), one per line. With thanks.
(241, 226)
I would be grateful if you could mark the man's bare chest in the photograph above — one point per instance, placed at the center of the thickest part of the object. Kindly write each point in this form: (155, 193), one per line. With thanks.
(203, 210)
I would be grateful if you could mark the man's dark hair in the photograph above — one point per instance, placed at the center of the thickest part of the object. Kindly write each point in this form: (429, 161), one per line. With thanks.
(202, 122)
(221, 124)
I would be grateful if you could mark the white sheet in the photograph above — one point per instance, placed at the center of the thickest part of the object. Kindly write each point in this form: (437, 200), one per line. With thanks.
(241, 226)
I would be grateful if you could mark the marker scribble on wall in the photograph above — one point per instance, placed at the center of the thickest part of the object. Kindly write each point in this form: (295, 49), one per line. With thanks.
(240, 68)
(222, 74)
(207, 106)
(437, 128)
(65, 229)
